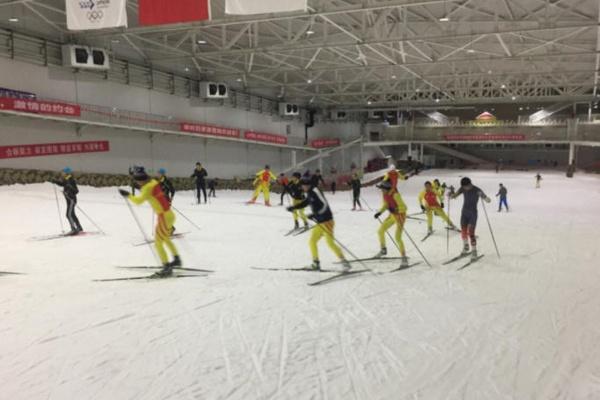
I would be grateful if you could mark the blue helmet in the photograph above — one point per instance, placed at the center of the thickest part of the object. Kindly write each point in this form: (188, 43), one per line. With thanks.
(162, 171)
(67, 170)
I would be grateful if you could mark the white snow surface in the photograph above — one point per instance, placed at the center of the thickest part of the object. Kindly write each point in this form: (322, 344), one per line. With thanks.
(526, 326)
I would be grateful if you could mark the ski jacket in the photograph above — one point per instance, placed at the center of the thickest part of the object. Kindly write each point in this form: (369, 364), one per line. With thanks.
(321, 212)
(167, 187)
(392, 202)
(69, 186)
(264, 177)
(153, 194)
(355, 184)
(502, 192)
(295, 189)
(316, 179)
(393, 177)
(200, 175)
(430, 199)
(471, 198)
(284, 181)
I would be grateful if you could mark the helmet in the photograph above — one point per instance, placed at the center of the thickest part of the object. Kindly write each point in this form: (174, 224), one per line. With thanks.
(67, 170)
(162, 171)
(384, 185)
(139, 174)
(465, 181)
(267, 166)
(305, 180)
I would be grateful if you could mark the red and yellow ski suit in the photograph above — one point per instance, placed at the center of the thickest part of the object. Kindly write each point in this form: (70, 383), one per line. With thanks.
(262, 183)
(153, 194)
(429, 200)
(392, 201)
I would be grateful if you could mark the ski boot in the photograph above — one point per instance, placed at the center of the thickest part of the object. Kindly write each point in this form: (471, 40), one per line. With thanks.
(465, 250)
(306, 225)
(316, 265)
(268, 203)
(404, 262)
(166, 271)
(473, 254)
(430, 231)
(251, 201)
(345, 265)
(382, 253)
(176, 262)
(74, 232)
(296, 225)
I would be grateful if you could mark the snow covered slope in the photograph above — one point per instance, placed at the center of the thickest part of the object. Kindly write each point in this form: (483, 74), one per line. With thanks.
(526, 326)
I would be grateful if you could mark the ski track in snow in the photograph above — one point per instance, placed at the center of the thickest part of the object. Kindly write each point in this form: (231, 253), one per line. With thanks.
(517, 328)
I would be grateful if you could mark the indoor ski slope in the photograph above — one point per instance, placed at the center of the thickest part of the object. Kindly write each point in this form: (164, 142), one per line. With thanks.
(526, 326)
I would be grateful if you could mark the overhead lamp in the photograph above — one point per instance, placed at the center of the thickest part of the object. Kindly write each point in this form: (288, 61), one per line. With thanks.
(471, 51)
(393, 76)
(514, 97)
(417, 90)
(115, 41)
(239, 79)
(13, 19)
(201, 41)
(437, 100)
(310, 32)
(369, 102)
(489, 72)
(503, 86)
(444, 19)
(309, 80)
(187, 69)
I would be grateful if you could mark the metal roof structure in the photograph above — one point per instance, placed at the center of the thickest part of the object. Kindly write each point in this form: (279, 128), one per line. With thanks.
(357, 54)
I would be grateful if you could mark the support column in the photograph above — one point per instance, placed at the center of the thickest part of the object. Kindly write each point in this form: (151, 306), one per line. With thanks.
(361, 156)
(294, 159)
(321, 160)
(410, 149)
(571, 153)
(421, 154)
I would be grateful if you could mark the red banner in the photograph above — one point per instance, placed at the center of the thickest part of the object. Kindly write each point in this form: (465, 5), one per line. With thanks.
(483, 138)
(265, 137)
(323, 143)
(53, 149)
(157, 12)
(211, 130)
(40, 107)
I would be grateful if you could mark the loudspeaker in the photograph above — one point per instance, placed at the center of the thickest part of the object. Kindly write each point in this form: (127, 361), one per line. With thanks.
(77, 56)
(213, 90)
(289, 110)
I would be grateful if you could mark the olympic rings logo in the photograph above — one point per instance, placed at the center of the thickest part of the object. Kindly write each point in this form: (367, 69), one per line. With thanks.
(95, 16)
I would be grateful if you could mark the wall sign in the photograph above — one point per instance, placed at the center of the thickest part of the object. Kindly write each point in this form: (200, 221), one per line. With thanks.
(211, 130)
(484, 138)
(40, 107)
(53, 149)
(323, 143)
(265, 137)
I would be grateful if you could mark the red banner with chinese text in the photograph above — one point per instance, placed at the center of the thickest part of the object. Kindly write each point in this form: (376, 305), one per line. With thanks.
(481, 138)
(40, 107)
(211, 130)
(323, 143)
(53, 149)
(265, 137)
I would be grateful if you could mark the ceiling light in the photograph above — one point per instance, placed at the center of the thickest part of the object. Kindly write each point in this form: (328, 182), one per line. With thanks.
(489, 72)
(200, 41)
(514, 97)
(444, 19)
(310, 32)
(520, 108)
(503, 86)
(471, 51)
(393, 76)
(309, 81)
(115, 41)
(417, 90)
(239, 79)
(13, 19)
(437, 100)
(369, 102)
(187, 69)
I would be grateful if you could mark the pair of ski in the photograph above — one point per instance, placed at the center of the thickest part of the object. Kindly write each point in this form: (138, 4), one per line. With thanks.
(63, 236)
(297, 231)
(10, 273)
(429, 234)
(460, 257)
(199, 273)
(173, 236)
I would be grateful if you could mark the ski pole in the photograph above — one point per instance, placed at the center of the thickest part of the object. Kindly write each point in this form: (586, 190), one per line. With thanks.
(62, 228)
(91, 220)
(344, 247)
(139, 225)
(448, 230)
(186, 218)
(417, 247)
(491, 230)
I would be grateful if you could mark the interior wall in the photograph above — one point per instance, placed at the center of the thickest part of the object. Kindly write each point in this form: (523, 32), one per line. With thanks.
(176, 153)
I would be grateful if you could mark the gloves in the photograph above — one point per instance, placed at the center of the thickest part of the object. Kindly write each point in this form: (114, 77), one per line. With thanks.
(377, 215)
(311, 217)
(442, 204)
(290, 208)
(422, 208)
(488, 200)
(124, 193)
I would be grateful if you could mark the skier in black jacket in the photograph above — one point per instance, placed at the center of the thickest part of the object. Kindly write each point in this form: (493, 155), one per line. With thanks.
(166, 185)
(317, 179)
(322, 215)
(70, 190)
(200, 174)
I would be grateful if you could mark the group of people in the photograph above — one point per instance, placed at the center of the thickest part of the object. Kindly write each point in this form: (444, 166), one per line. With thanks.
(305, 192)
